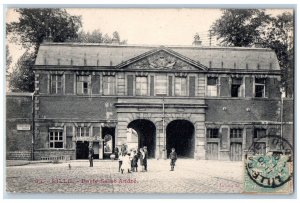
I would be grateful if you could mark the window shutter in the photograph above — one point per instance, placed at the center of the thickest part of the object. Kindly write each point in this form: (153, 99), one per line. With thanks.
(225, 88)
(170, 86)
(130, 85)
(69, 83)
(79, 87)
(43, 79)
(272, 88)
(95, 84)
(151, 85)
(224, 138)
(248, 86)
(249, 137)
(192, 86)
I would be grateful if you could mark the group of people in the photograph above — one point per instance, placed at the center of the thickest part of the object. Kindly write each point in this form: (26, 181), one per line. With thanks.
(128, 161)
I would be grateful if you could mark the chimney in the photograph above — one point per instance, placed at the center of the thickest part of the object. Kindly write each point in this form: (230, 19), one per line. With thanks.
(48, 39)
(258, 43)
(197, 41)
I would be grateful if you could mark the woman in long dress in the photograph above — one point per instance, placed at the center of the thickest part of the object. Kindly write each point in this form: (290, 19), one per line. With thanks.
(126, 163)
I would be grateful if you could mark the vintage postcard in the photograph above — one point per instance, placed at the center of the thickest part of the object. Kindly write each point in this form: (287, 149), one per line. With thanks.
(149, 100)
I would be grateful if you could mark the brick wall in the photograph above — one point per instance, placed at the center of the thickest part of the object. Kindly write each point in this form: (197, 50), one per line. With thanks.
(18, 111)
(39, 153)
(75, 107)
(236, 110)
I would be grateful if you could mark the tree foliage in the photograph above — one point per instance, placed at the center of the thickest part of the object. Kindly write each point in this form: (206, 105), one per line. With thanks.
(34, 25)
(98, 37)
(32, 28)
(242, 28)
(8, 60)
(22, 77)
(239, 27)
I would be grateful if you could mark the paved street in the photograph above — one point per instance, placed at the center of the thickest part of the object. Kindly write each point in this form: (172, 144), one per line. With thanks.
(190, 176)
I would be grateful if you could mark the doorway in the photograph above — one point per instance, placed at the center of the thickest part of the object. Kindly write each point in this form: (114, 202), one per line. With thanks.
(82, 150)
(236, 151)
(180, 135)
(146, 131)
(108, 136)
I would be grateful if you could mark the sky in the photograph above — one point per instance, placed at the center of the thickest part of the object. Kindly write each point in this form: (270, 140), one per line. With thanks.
(144, 26)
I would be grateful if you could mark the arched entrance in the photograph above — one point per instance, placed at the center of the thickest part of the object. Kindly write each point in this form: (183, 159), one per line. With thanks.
(146, 134)
(180, 135)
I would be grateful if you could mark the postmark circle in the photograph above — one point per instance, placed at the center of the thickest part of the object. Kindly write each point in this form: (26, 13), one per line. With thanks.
(268, 161)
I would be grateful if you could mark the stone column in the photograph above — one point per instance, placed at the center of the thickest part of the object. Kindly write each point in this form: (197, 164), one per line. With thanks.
(199, 140)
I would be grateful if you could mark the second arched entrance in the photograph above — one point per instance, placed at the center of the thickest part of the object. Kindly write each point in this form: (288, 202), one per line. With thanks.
(146, 134)
(180, 135)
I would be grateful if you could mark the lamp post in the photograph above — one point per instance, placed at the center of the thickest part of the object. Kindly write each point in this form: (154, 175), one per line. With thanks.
(164, 150)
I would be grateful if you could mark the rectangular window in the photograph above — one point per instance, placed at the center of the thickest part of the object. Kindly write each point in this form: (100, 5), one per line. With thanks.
(212, 133)
(109, 84)
(83, 83)
(212, 88)
(259, 133)
(82, 131)
(236, 133)
(56, 139)
(180, 86)
(236, 90)
(141, 86)
(260, 87)
(130, 85)
(161, 85)
(56, 84)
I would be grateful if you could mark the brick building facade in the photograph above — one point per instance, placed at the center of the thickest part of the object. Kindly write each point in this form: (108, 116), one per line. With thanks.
(208, 103)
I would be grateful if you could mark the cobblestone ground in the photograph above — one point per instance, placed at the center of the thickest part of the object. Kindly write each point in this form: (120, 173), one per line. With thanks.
(190, 176)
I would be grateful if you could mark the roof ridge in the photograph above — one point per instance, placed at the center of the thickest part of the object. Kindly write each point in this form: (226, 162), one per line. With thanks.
(149, 46)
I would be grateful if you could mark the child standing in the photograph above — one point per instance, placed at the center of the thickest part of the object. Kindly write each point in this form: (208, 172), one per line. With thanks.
(173, 157)
(135, 159)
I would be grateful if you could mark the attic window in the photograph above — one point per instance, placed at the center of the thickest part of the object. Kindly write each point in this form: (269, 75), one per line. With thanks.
(84, 61)
(210, 64)
(45, 61)
(247, 67)
(97, 62)
(222, 64)
(58, 61)
(110, 63)
(71, 62)
(234, 65)
(271, 66)
(258, 66)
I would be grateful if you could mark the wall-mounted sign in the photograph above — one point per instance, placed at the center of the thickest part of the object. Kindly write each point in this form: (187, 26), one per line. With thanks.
(23, 126)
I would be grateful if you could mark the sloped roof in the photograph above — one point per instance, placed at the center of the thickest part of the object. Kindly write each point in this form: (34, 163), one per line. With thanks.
(77, 54)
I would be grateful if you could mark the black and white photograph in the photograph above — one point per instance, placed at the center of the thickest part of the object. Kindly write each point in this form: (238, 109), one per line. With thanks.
(149, 100)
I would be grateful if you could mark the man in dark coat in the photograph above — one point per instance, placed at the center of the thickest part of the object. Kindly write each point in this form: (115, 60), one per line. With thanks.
(91, 154)
(145, 158)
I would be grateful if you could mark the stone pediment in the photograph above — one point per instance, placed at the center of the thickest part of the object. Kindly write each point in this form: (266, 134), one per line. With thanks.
(162, 59)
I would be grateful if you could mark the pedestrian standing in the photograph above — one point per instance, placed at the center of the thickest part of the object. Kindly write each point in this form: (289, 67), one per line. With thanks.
(120, 158)
(173, 158)
(91, 154)
(116, 153)
(141, 157)
(145, 160)
(134, 162)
